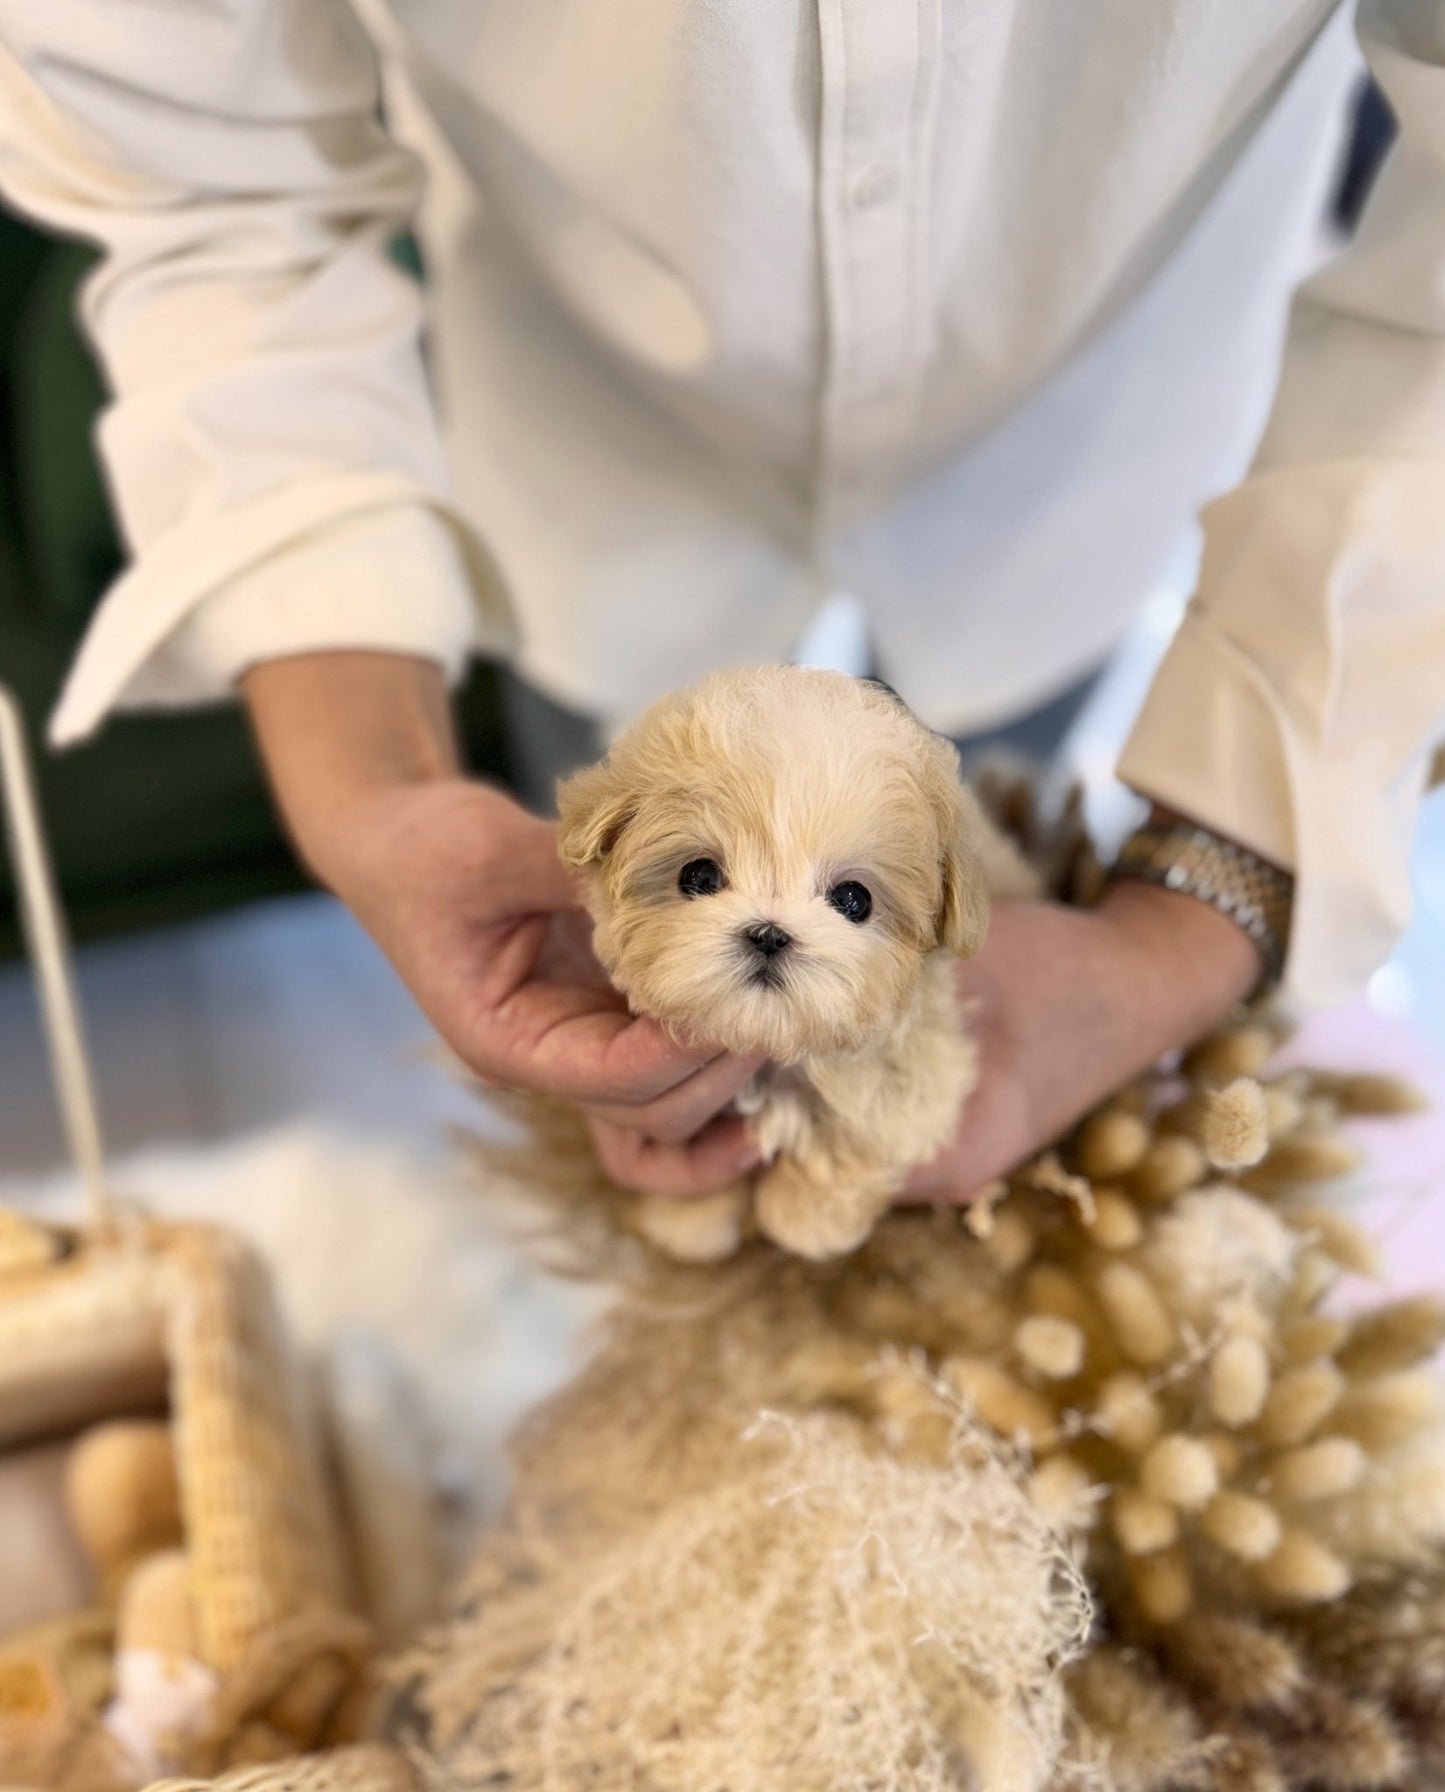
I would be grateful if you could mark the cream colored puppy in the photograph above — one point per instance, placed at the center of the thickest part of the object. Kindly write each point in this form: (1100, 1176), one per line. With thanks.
(785, 861)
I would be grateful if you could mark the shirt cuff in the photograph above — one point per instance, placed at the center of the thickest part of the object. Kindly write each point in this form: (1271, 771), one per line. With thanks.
(1208, 744)
(1214, 742)
(389, 571)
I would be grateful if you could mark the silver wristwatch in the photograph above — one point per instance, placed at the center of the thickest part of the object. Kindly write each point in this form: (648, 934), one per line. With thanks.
(1255, 895)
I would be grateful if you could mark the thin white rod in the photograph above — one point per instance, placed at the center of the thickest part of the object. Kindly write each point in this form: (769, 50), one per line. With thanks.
(45, 935)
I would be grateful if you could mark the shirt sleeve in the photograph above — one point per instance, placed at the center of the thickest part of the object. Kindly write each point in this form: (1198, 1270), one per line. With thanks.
(271, 447)
(1299, 704)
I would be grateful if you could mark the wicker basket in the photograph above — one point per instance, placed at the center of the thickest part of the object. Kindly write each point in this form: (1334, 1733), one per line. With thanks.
(127, 1316)
(181, 1315)
(367, 1768)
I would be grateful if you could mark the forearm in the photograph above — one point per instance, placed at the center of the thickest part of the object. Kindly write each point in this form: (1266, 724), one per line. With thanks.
(337, 729)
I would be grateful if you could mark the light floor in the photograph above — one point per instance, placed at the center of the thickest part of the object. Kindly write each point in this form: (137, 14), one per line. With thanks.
(223, 1027)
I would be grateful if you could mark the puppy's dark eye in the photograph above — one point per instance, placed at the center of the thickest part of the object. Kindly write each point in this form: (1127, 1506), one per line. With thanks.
(851, 900)
(700, 877)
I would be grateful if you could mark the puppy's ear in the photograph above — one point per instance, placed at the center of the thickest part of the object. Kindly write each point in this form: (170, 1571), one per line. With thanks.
(962, 919)
(593, 807)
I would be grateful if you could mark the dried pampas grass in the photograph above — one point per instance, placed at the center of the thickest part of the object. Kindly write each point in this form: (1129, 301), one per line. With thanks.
(689, 1594)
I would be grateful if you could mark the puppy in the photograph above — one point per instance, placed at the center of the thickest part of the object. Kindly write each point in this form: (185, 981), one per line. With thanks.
(784, 861)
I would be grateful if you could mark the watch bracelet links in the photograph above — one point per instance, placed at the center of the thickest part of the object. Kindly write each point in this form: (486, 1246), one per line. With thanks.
(1254, 894)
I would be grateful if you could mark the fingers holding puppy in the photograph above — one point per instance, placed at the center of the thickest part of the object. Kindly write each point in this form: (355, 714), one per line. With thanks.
(680, 1113)
(718, 1155)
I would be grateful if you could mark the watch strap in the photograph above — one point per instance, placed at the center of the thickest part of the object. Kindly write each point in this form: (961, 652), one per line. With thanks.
(1256, 895)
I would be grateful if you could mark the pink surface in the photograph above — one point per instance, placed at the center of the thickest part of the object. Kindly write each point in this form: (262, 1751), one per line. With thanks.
(1402, 1180)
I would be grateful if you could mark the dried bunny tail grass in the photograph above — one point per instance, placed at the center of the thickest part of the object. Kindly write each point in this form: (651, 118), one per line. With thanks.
(1389, 1410)
(1065, 1494)
(1311, 1335)
(1238, 1052)
(1336, 1236)
(1142, 1323)
(1320, 1470)
(1052, 1289)
(1131, 1731)
(1315, 1276)
(1241, 1764)
(1142, 1523)
(1184, 1117)
(1127, 1412)
(1242, 1526)
(1236, 1125)
(1331, 1742)
(1111, 1143)
(1284, 1109)
(1048, 826)
(1050, 1346)
(1137, 1729)
(1299, 1402)
(1301, 1158)
(1010, 1240)
(821, 1615)
(1386, 1640)
(1180, 1471)
(1238, 1380)
(1162, 1586)
(1395, 1336)
(1370, 1093)
(1016, 1412)
(1046, 1175)
(980, 1213)
(1395, 1512)
(1116, 1225)
(1214, 1245)
(1236, 1664)
(1172, 1164)
(1227, 1451)
(1302, 1570)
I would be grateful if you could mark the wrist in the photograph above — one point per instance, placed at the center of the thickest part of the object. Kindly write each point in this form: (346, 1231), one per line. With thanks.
(1190, 964)
(1185, 857)
(339, 732)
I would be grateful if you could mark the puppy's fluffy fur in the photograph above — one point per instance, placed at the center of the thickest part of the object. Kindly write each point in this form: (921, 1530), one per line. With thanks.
(794, 785)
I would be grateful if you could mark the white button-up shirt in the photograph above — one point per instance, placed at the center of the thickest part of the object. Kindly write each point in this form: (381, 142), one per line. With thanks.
(965, 306)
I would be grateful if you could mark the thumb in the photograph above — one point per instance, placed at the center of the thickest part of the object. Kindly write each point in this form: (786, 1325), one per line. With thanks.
(531, 879)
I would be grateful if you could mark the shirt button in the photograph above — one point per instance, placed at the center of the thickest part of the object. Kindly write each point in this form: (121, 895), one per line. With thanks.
(873, 186)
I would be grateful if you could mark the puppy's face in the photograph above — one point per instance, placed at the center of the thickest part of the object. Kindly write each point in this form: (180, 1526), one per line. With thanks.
(772, 856)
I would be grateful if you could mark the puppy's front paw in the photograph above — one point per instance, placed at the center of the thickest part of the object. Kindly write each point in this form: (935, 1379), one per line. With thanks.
(815, 1219)
(694, 1228)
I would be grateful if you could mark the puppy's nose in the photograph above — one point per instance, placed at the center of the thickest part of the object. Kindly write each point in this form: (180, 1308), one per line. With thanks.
(768, 937)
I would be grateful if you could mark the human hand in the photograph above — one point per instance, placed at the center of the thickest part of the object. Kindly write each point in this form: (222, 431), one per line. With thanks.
(1067, 1005)
(464, 892)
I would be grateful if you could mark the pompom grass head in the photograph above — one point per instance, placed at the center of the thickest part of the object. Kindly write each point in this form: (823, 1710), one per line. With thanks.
(1236, 1125)
(771, 856)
